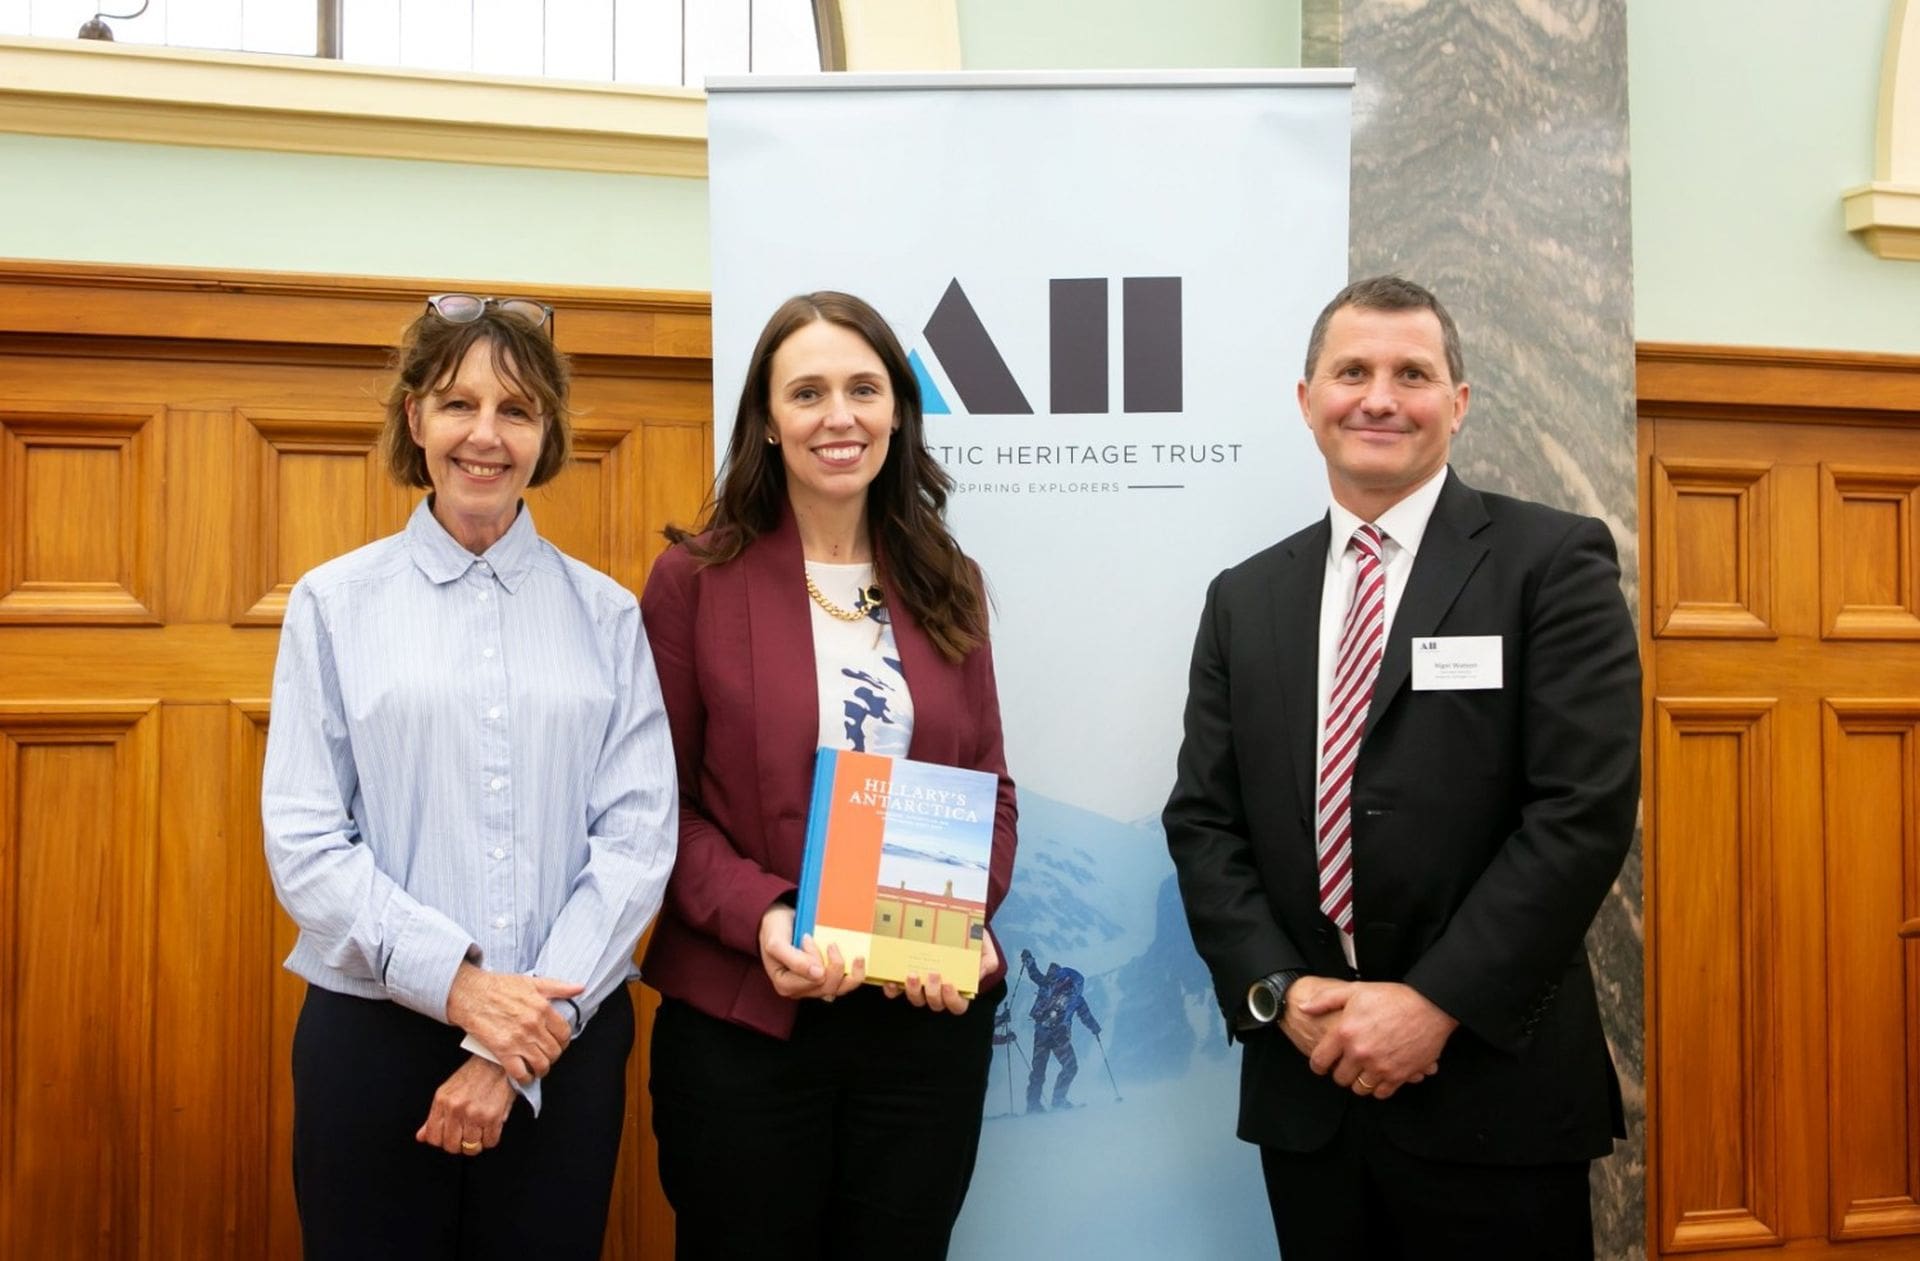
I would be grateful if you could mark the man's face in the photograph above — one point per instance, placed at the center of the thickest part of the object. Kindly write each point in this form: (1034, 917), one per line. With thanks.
(1382, 406)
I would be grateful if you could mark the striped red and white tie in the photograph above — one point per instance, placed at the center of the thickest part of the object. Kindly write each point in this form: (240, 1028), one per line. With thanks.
(1362, 640)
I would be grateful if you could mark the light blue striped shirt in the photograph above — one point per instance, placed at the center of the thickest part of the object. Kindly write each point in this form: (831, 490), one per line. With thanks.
(468, 759)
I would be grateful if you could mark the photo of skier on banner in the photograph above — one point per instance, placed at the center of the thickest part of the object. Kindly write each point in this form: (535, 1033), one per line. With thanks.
(1058, 998)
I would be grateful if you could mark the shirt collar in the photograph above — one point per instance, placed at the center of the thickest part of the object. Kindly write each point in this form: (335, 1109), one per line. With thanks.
(442, 559)
(1404, 524)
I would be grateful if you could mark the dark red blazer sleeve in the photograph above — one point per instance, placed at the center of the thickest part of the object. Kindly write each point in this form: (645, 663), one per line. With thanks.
(715, 890)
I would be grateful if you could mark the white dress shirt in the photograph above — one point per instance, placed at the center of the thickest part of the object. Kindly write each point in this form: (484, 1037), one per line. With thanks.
(1401, 527)
(468, 759)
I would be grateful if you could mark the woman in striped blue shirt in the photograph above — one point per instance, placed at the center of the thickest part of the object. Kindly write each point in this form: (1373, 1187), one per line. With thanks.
(470, 812)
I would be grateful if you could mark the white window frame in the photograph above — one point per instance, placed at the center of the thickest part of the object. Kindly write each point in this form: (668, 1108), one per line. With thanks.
(155, 95)
(54, 87)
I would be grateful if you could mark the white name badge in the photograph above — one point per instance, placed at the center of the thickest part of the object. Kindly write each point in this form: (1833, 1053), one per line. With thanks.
(1456, 663)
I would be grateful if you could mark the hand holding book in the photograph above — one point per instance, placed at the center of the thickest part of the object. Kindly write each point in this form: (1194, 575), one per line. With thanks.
(895, 873)
(803, 971)
(940, 995)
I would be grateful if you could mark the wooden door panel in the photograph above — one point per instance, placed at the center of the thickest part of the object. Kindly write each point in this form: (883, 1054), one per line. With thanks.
(310, 486)
(575, 510)
(1720, 1174)
(1782, 501)
(1872, 771)
(678, 457)
(1714, 570)
(1870, 552)
(168, 468)
(80, 494)
(78, 791)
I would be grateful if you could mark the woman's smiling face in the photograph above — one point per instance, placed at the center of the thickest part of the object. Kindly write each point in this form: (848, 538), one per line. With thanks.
(482, 438)
(832, 409)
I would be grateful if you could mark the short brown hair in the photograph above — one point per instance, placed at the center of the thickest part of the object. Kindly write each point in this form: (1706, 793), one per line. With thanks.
(431, 352)
(1389, 293)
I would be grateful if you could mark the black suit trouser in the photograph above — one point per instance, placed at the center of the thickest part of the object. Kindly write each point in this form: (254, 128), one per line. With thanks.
(1361, 1198)
(364, 1073)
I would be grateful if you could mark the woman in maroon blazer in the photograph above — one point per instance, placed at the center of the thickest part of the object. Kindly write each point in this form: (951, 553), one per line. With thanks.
(800, 1113)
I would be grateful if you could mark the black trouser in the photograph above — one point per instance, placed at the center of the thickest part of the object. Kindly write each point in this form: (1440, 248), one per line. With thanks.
(1361, 1198)
(854, 1139)
(364, 1073)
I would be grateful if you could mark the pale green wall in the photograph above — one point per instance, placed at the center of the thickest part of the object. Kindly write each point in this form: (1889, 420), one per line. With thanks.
(104, 201)
(1749, 120)
(1128, 34)
(98, 201)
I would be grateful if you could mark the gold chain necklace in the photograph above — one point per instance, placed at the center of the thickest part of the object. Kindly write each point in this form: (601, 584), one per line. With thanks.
(870, 593)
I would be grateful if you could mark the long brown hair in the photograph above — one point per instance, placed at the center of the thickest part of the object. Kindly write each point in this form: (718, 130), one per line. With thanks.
(918, 564)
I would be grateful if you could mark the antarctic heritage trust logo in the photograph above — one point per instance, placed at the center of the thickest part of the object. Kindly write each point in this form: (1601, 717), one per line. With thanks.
(974, 380)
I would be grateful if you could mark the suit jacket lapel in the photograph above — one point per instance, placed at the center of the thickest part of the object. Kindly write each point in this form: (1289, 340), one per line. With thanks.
(786, 713)
(1448, 556)
(1296, 625)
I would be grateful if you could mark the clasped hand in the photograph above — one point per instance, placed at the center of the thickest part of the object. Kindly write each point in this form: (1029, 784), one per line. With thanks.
(513, 1017)
(1385, 1032)
(469, 1110)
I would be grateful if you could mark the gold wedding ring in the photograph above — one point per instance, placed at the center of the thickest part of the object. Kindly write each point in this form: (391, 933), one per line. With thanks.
(468, 1146)
(1361, 1084)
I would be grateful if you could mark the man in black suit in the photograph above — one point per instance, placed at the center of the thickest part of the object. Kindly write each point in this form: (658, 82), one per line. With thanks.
(1409, 777)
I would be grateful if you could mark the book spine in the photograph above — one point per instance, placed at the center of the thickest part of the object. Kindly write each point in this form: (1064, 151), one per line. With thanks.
(814, 857)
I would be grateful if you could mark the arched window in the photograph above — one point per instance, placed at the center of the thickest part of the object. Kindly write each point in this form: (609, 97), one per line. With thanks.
(653, 42)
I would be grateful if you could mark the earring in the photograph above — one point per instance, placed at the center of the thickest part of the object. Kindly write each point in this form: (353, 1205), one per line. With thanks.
(773, 439)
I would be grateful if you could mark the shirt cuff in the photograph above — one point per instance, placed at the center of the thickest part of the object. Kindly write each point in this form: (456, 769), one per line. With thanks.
(425, 958)
(530, 1092)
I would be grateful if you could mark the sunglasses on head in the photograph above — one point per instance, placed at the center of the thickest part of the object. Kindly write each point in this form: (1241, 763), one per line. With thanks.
(465, 308)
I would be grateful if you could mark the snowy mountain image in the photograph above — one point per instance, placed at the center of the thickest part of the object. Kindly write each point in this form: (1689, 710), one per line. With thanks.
(936, 872)
(1146, 1154)
(940, 857)
(1098, 895)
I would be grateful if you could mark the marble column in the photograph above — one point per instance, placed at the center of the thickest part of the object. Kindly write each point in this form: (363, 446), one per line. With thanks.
(1490, 164)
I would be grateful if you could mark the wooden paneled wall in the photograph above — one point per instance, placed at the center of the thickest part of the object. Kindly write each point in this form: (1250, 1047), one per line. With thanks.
(1780, 519)
(176, 448)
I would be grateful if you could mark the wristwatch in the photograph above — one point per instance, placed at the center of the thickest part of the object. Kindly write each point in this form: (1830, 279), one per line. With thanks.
(1267, 997)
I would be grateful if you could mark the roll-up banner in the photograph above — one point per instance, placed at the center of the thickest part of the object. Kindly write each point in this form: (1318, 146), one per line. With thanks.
(1105, 283)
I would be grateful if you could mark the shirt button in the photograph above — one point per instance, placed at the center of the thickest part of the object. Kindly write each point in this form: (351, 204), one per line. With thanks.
(494, 712)
(487, 653)
(496, 783)
(499, 853)
(499, 921)
(483, 597)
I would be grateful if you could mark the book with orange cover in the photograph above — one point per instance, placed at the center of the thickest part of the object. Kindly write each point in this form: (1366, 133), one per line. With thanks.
(895, 869)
